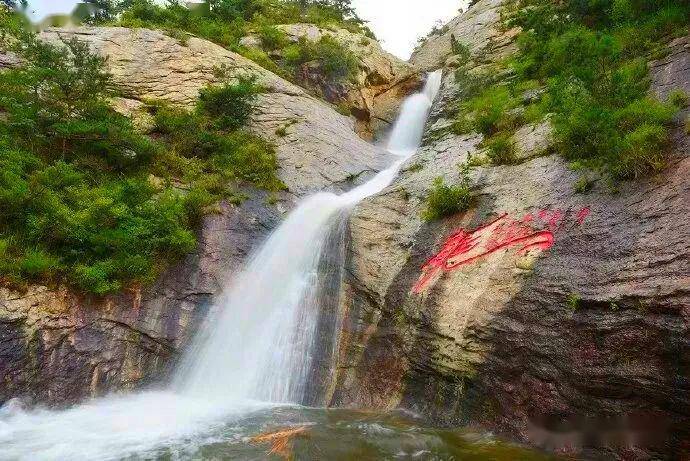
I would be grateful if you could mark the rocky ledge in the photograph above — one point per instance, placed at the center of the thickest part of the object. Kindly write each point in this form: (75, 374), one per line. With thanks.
(373, 94)
(565, 325)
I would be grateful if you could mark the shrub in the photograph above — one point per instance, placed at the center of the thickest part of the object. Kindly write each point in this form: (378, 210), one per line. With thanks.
(217, 151)
(230, 105)
(84, 198)
(678, 98)
(583, 185)
(573, 301)
(446, 200)
(461, 50)
(37, 263)
(264, 60)
(489, 111)
(344, 108)
(272, 38)
(593, 55)
(336, 61)
(501, 149)
(641, 151)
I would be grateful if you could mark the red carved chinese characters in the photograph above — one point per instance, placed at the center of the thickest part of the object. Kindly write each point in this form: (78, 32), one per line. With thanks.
(465, 247)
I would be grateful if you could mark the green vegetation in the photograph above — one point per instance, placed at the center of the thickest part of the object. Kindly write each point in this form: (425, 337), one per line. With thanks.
(583, 185)
(460, 50)
(501, 149)
(87, 200)
(573, 301)
(335, 61)
(590, 57)
(225, 22)
(415, 167)
(444, 200)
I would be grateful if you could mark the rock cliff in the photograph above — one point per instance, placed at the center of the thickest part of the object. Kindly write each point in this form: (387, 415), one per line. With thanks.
(58, 347)
(568, 321)
(479, 28)
(318, 149)
(374, 92)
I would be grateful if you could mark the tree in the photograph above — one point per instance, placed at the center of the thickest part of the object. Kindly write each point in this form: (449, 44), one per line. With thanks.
(13, 3)
(230, 10)
(102, 10)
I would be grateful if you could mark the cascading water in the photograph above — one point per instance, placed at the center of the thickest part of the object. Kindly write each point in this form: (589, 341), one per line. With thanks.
(257, 347)
(260, 346)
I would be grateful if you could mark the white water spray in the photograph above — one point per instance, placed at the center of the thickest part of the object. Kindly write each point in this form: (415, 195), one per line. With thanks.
(257, 347)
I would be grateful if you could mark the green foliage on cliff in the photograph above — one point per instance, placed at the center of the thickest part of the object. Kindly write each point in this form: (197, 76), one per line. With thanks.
(444, 200)
(591, 59)
(225, 22)
(335, 61)
(207, 146)
(87, 200)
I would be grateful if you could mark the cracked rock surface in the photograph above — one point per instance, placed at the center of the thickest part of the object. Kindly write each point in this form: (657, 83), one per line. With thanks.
(595, 324)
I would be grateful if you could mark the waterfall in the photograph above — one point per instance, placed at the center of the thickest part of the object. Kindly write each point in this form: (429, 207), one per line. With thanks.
(258, 345)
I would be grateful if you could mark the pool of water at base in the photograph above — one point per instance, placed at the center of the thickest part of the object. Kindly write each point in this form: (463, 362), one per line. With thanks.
(342, 435)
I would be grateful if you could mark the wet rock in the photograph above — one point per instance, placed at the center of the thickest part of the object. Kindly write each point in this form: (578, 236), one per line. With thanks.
(549, 308)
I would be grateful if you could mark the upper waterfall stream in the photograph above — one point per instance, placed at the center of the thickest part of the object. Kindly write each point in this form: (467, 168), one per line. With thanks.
(254, 352)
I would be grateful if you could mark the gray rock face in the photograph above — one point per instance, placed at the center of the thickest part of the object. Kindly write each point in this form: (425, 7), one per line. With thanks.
(57, 347)
(8, 60)
(537, 306)
(320, 148)
(533, 140)
(376, 90)
(478, 28)
(673, 71)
